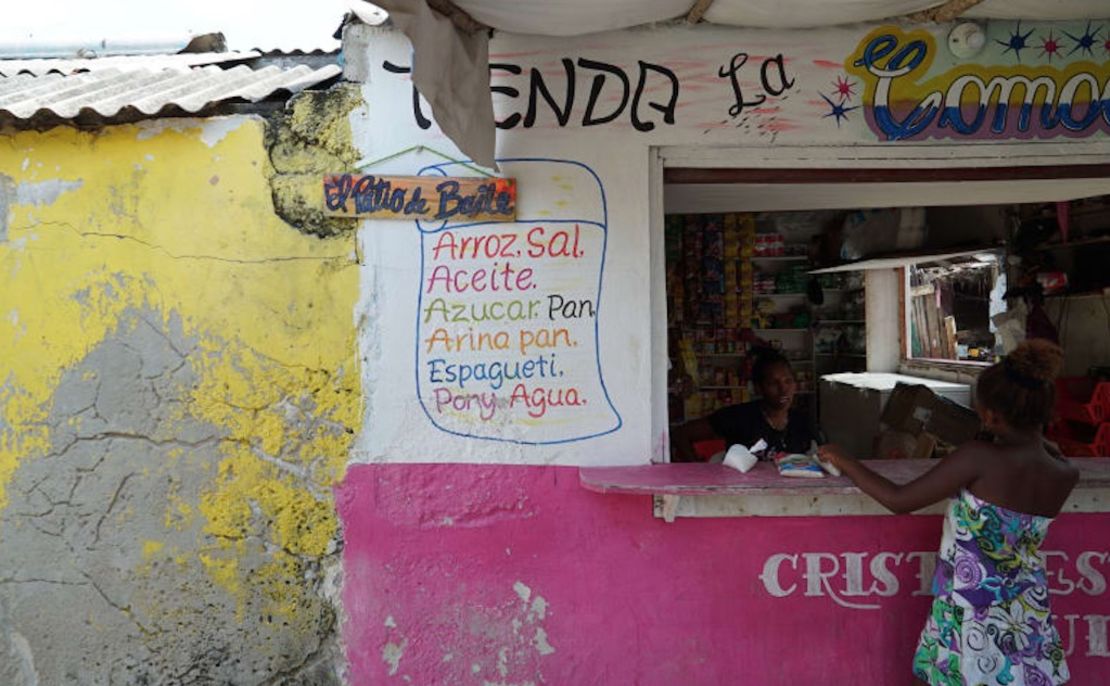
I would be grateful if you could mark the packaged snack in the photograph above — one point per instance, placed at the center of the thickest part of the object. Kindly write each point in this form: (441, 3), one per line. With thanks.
(799, 465)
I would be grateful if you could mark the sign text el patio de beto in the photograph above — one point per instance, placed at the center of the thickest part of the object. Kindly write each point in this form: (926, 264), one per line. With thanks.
(429, 198)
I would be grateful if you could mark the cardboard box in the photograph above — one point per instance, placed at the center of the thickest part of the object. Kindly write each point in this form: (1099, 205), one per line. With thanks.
(916, 409)
(852, 403)
(900, 445)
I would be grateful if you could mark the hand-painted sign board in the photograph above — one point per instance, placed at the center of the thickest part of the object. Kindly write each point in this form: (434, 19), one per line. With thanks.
(430, 198)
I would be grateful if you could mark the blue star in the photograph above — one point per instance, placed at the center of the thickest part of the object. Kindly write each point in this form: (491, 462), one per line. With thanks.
(1017, 41)
(1085, 42)
(838, 111)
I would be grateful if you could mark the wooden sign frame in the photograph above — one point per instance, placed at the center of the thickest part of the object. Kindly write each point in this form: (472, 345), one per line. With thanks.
(429, 198)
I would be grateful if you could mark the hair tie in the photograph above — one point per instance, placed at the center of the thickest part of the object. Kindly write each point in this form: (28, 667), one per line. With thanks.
(1023, 380)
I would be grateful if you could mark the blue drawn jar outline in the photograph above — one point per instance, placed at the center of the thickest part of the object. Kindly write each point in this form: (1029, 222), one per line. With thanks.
(440, 169)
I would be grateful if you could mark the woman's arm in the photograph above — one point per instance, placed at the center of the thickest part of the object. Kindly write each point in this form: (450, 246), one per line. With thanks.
(953, 473)
(685, 435)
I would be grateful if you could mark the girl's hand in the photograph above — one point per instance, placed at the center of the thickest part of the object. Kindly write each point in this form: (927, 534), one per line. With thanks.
(835, 455)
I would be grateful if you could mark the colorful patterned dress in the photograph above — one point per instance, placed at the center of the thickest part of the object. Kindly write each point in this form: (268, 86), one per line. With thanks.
(990, 623)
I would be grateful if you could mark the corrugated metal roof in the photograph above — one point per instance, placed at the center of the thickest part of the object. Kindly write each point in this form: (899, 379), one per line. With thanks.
(107, 93)
(35, 45)
(180, 62)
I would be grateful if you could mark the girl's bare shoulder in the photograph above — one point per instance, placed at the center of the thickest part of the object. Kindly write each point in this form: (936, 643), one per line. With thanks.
(1041, 461)
(975, 450)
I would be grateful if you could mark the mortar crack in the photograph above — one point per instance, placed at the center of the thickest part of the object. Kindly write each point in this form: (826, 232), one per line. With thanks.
(320, 652)
(289, 468)
(166, 338)
(215, 258)
(111, 504)
(57, 582)
(36, 526)
(123, 609)
(123, 435)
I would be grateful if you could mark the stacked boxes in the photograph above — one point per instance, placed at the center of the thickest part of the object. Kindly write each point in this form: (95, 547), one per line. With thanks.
(709, 302)
(732, 271)
(747, 249)
(709, 278)
(1082, 426)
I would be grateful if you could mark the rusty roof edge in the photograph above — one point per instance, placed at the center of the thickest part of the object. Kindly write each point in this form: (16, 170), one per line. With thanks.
(105, 95)
(179, 61)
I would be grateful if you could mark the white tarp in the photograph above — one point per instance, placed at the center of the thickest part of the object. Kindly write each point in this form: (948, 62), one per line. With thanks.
(571, 17)
(450, 66)
(1060, 10)
(575, 17)
(808, 13)
(451, 70)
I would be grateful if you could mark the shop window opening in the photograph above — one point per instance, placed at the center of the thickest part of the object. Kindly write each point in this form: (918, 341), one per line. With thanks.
(950, 308)
(750, 265)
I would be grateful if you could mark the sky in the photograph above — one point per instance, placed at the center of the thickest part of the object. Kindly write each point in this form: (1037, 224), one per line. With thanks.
(286, 24)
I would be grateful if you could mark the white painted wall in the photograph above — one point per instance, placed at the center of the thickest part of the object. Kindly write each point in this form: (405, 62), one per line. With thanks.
(884, 326)
(793, 124)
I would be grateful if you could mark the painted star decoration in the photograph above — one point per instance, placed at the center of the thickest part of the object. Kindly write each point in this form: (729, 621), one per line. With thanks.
(1087, 41)
(1017, 41)
(1050, 46)
(838, 110)
(844, 88)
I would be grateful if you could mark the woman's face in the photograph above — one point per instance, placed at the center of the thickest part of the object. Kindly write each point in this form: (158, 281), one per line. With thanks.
(778, 386)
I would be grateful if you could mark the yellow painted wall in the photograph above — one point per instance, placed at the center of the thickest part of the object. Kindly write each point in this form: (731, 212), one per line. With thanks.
(176, 218)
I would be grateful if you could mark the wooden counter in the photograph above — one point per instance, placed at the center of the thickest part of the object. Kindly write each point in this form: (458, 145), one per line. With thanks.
(713, 490)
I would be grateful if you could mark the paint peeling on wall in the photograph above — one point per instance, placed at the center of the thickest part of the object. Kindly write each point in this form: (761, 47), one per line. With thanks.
(310, 139)
(179, 397)
(7, 195)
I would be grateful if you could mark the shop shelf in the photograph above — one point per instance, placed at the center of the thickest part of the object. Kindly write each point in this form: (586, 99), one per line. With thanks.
(1095, 240)
(1081, 440)
(1081, 294)
(1072, 448)
(780, 258)
(1081, 399)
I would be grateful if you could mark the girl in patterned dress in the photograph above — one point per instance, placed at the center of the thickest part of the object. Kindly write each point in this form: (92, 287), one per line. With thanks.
(990, 621)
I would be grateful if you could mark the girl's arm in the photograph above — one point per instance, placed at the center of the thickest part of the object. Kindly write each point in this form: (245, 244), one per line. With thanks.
(953, 473)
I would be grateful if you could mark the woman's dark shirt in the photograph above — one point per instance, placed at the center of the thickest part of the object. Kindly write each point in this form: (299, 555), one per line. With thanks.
(745, 424)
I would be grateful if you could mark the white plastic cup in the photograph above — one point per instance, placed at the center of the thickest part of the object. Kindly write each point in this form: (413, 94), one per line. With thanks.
(740, 458)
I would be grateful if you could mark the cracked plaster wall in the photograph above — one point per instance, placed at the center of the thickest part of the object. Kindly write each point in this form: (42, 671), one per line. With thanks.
(178, 394)
(312, 137)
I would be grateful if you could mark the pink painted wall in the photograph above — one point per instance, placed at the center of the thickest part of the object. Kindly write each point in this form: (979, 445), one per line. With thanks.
(468, 574)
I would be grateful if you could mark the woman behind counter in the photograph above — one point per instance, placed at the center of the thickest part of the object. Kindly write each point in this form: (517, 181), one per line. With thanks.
(771, 417)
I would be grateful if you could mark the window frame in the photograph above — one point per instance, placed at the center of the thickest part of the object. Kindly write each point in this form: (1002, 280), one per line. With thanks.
(711, 178)
(940, 364)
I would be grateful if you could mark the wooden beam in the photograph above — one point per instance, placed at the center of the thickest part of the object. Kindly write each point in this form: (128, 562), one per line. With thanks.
(902, 320)
(815, 175)
(697, 11)
(950, 337)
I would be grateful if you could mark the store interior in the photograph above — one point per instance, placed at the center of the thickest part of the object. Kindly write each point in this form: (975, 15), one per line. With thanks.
(971, 280)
